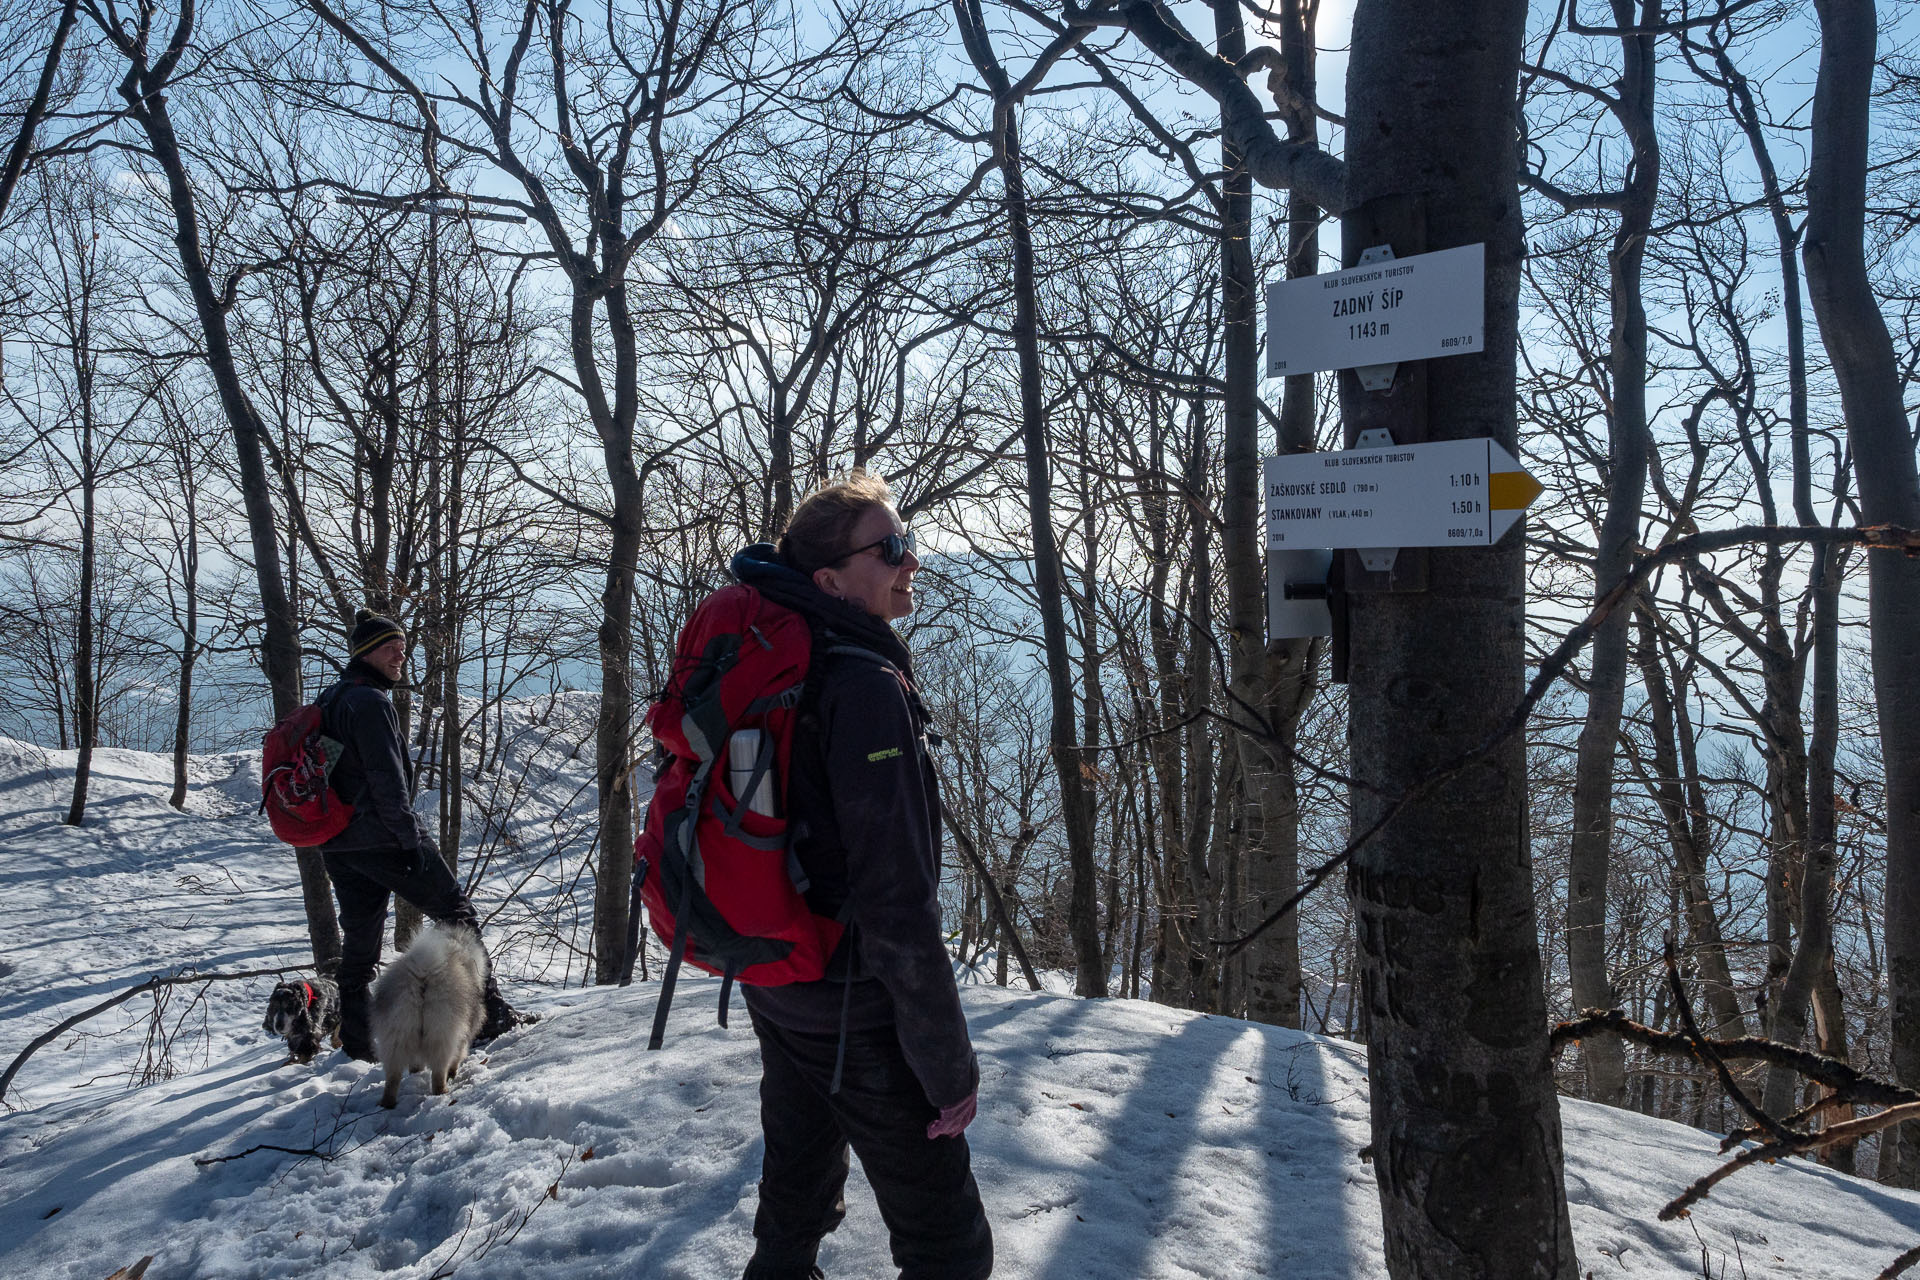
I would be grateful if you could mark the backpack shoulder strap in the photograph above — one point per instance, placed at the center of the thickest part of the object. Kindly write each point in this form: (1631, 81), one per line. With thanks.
(827, 646)
(325, 700)
(921, 715)
(841, 649)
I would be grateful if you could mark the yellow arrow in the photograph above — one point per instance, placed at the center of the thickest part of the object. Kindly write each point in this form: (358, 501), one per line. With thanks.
(1511, 490)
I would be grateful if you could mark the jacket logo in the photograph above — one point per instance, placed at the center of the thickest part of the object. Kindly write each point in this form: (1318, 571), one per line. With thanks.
(890, 753)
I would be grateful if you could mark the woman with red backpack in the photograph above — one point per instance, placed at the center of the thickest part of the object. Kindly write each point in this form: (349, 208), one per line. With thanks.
(875, 1057)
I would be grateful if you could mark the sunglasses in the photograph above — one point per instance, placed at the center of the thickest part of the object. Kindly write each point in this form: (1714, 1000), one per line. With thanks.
(893, 549)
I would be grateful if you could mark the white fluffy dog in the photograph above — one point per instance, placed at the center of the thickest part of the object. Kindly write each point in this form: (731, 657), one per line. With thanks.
(428, 1006)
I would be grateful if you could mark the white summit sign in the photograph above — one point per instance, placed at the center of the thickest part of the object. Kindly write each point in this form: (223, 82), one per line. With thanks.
(1446, 493)
(1432, 304)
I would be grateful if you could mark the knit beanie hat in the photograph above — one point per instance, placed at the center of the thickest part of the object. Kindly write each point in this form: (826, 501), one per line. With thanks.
(370, 631)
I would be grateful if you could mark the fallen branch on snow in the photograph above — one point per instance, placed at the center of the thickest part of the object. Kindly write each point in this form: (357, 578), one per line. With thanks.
(1839, 1076)
(1783, 1137)
(156, 983)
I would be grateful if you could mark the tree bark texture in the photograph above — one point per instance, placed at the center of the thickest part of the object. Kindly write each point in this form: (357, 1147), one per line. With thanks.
(1200, 878)
(1290, 674)
(1269, 828)
(1466, 1124)
(1865, 367)
(613, 731)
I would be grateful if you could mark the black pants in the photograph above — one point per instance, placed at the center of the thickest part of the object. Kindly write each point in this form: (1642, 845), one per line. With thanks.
(925, 1187)
(363, 881)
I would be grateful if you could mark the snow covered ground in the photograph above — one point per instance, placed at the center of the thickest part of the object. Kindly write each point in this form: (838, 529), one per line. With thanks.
(1116, 1139)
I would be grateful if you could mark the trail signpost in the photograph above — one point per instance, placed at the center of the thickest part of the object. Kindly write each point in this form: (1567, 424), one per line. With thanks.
(1381, 312)
(1393, 489)
(1446, 493)
(1375, 499)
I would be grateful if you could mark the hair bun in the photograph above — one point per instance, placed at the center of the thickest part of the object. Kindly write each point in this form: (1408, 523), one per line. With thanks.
(363, 615)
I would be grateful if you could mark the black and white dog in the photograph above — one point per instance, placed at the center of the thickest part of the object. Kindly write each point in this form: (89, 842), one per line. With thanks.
(304, 1014)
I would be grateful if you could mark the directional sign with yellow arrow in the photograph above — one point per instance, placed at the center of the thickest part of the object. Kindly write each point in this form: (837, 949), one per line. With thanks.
(1447, 493)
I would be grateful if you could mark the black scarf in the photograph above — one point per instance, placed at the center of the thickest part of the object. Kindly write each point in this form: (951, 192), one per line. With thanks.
(761, 567)
(361, 672)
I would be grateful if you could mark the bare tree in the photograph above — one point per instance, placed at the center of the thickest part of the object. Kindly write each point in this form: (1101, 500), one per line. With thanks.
(176, 491)
(1868, 374)
(1631, 102)
(82, 409)
(1441, 884)
(34, 111)
(645, 99)
(1090, 978)
(153, 54)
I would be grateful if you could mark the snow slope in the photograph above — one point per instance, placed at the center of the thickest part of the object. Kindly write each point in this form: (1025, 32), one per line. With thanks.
(1116, 1139)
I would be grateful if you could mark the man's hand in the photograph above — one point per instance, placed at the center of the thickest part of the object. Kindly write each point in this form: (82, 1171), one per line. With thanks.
(955, 1117)
(417, 863)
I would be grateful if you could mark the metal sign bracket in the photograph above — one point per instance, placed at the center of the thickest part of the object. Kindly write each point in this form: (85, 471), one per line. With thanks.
(1400, 409)
(1377, 559)
(1376, 377)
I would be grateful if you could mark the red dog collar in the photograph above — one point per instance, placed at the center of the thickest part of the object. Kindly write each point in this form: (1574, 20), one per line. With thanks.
(312, 999)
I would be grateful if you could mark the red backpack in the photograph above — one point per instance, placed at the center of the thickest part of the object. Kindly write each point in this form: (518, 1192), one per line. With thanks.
(716, 872)
(295, 767)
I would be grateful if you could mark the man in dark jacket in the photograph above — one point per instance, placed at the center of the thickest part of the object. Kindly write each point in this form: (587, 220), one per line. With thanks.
(886, 1026)
(385, 849)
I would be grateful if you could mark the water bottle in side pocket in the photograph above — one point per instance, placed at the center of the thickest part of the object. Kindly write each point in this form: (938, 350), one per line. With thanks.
(743, 751)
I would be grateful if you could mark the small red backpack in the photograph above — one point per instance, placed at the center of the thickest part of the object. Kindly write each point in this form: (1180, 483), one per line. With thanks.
(716, 871)
(296, 765)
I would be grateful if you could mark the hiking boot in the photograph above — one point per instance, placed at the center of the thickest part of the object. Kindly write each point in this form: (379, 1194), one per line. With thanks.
(356, 1030)
(501, 1018)
(761, 1271)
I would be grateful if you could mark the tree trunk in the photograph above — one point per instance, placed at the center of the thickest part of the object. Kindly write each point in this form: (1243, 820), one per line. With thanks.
(1466, 1125)
(1202, 877)
(1092, 709)
(779, 466)
(86, 692)
(1814, 951)
(1830, 1019)
(1675, 786)
(1291, 669)
(1174, 917)
(1868, 376)
(452, 723)
(1810, 770)
(189, 649)
(1076, 809)
(1141, 853)
(613, 731)
(1591, 854)
(145, 88)
(1268, 842)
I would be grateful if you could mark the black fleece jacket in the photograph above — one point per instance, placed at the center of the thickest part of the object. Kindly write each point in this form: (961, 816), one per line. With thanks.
(864, 806)
(372, 774)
